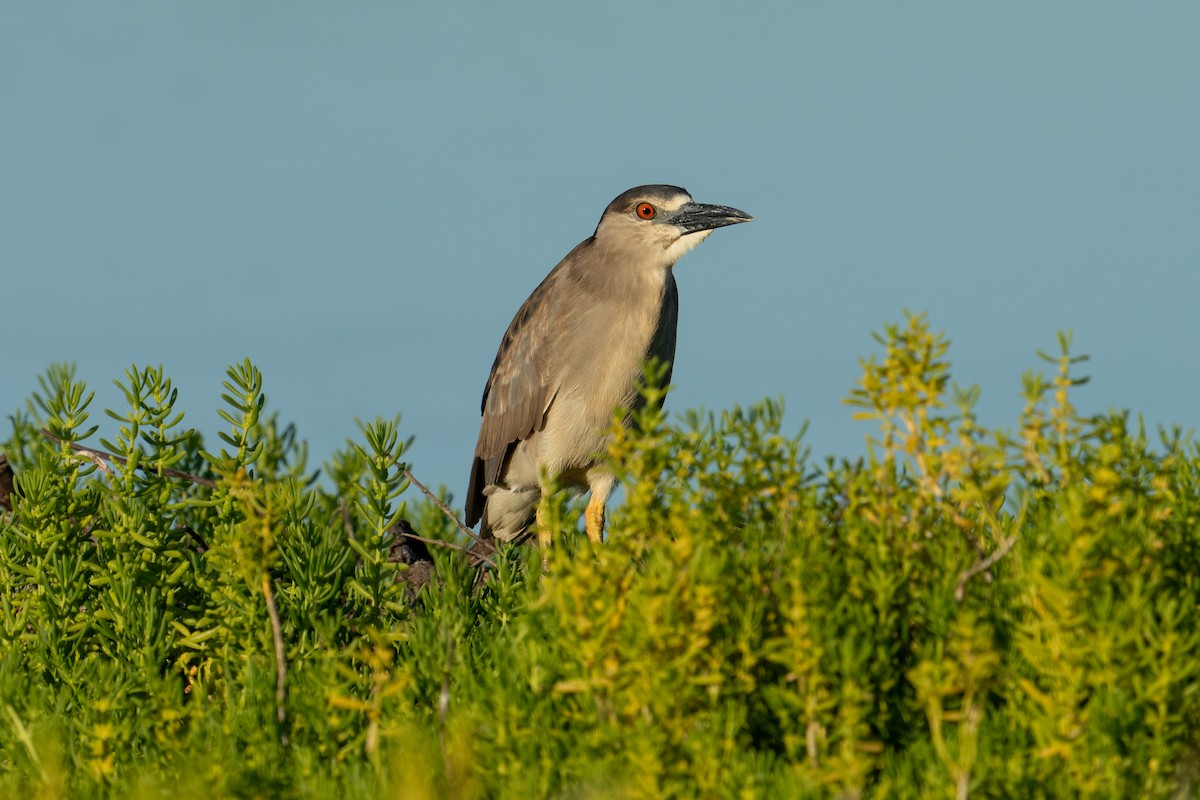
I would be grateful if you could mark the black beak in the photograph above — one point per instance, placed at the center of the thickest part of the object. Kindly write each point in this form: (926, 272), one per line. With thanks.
(696, 217)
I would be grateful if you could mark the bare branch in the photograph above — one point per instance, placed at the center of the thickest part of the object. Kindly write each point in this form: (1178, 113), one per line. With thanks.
(983, 566)
(280, 659)
(444, 509)
(452, 546)
(201, 545)
(94, 455)
(96, 458)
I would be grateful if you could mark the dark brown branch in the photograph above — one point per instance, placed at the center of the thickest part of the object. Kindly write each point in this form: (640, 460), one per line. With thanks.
(92, 455)
(444, 508)
(201, 545)
(452, 546)
(983, 566)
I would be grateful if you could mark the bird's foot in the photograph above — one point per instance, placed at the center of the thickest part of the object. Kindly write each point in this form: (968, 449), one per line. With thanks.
(594, 519)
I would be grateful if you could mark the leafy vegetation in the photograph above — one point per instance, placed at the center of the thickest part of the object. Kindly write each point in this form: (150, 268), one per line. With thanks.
(962, 613)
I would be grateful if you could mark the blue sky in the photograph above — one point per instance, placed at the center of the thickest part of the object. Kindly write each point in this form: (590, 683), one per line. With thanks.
(359, 196)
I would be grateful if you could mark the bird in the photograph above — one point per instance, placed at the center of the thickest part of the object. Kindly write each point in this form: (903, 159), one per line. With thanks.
(574, 354)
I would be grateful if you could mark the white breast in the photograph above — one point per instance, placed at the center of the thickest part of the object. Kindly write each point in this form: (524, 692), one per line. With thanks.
(601, 358)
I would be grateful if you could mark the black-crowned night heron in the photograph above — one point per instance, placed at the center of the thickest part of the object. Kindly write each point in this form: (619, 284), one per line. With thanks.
(573, 354)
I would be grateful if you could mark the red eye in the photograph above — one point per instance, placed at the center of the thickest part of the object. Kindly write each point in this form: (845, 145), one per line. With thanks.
(646, 211)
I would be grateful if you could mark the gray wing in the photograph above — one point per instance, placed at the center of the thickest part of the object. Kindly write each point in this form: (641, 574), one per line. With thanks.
(662, 344)
(517, 394)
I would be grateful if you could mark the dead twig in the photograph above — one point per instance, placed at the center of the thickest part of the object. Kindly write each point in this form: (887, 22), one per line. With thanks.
(201, 545)
(443, 507)
(280, 659)
(452, 546)
(95, 456)
(98, 460)
(983, 566)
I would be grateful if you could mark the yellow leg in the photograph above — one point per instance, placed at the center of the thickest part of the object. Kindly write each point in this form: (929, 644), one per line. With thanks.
(594, 518)
(543, 529)
(543, 535)
(601, 483)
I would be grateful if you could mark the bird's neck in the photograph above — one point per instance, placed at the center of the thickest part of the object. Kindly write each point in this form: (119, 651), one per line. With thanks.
(614, 271)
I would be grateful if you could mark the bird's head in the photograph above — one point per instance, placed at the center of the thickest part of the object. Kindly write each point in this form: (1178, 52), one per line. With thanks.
(662, 222)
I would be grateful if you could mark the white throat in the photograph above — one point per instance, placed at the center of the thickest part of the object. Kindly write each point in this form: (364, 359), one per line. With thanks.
(683, 244)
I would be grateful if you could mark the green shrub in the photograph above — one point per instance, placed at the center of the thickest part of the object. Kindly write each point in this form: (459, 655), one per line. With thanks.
(962, 612)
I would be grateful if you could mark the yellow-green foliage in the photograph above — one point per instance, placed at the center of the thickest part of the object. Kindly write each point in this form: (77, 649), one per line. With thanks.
(961, 613)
